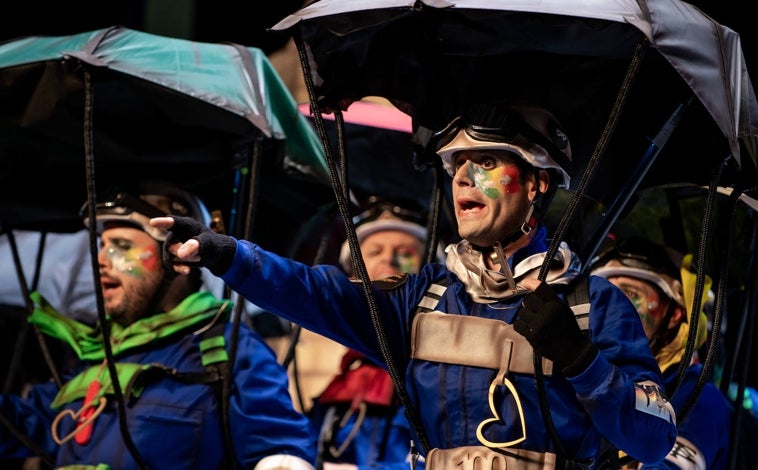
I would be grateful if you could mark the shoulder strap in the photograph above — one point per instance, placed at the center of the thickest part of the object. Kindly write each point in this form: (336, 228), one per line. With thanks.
(432, 296)
(213, 349)
(578, 298)
(215, 360)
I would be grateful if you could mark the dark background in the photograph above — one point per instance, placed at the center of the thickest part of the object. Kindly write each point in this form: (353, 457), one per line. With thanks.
(243, 22)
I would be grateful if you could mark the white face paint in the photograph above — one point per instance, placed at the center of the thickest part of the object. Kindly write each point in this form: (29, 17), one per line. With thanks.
(130, 273)
(127, 260)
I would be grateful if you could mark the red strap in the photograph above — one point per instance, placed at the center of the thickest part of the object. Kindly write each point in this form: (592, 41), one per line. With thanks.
(357, 383)
(84, 433)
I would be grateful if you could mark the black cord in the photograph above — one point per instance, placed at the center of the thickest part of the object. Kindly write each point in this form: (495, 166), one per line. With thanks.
(104, 322)
(358, 265)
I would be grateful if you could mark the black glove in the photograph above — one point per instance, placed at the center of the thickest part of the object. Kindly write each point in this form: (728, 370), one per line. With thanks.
(549, 325)
(216, 250)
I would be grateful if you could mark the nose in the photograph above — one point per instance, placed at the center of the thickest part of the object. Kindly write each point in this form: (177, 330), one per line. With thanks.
(102, 257)
(461, 175)
(389, 257)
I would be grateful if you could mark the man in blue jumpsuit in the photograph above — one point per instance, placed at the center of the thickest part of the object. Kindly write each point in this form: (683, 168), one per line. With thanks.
(664, 296)
(169, 341)
(467, 334)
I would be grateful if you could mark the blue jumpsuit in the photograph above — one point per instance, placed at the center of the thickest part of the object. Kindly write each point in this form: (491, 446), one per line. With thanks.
(174, 424)
(451, 399)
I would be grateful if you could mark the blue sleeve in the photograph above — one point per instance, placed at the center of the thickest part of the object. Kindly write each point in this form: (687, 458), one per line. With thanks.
(262, 417)
(704, 434)
(314, 297)
(619, 389)
(31, 416)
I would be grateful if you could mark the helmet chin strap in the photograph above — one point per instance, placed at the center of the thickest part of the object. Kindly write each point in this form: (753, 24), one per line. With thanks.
(495, 251)
(529, 222)
(658, 339)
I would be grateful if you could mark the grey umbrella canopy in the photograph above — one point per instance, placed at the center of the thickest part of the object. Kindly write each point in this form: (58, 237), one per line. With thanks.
(428, 56)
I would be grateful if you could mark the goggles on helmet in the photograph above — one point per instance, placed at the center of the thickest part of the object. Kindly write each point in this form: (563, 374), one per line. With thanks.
(653, 268)
(377, 209)
(127, 209)
(504, 126)
(383, 216)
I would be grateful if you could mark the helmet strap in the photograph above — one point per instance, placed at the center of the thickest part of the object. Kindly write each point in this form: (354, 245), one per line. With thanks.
(529, 222)
(660, 336)
(532, 215)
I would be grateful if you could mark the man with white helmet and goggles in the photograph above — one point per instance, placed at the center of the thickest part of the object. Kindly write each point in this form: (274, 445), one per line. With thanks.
(466, 334)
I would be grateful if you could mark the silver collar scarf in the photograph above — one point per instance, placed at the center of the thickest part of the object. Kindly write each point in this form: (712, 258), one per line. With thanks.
(487, 286)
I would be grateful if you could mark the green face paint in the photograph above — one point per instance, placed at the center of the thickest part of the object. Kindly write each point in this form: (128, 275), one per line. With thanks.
(407, 263)
(494, 183)
(640, 300)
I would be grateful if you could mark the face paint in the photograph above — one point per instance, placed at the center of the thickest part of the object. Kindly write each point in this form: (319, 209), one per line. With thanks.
(496, 182)
(407, 263)
(133, 261)
(643, 303)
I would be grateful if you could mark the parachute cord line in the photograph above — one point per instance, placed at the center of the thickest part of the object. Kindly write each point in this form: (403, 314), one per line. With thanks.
(340, 191)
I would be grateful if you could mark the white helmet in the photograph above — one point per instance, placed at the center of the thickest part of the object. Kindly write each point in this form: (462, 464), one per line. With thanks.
(531, 132)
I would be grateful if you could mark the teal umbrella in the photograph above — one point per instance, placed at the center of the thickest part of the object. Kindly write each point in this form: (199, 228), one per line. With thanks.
(159, 107)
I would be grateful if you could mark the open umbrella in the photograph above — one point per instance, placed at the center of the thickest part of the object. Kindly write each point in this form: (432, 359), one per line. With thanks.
(161, 108)
(651, 86)
(429, 56)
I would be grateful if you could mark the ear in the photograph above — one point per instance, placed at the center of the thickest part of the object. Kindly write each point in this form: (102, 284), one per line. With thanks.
(544, 181)
(677, 317)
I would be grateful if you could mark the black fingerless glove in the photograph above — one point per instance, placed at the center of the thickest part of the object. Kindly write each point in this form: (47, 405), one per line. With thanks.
(549, 325)
(216, 250)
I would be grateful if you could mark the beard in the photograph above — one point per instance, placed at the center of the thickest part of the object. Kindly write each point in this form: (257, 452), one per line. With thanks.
(139, 300)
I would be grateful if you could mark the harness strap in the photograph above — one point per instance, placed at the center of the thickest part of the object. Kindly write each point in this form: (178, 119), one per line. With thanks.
(578, 298)
(492, 344)
(482, 342)
(431, 298)
(472, 341)
(215, 360)
(214, 356)
(157, 371)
